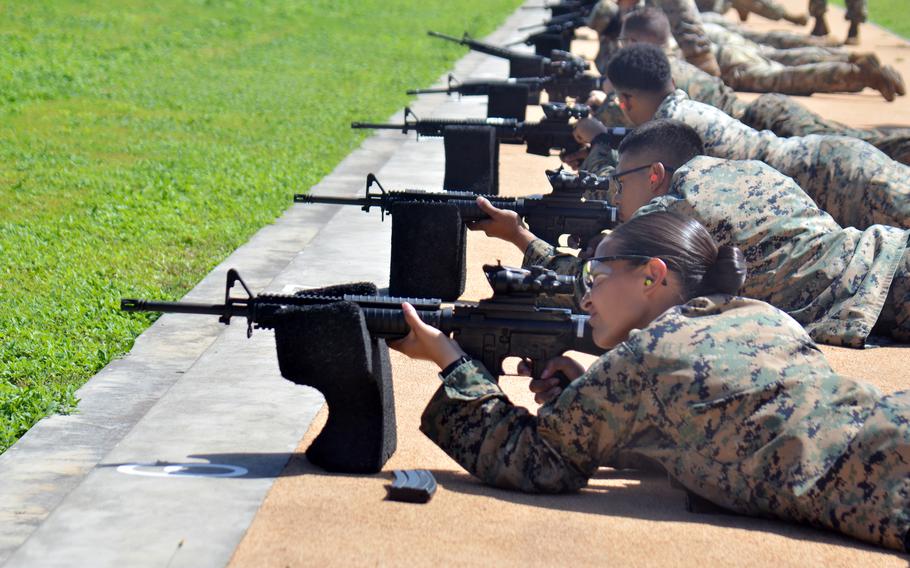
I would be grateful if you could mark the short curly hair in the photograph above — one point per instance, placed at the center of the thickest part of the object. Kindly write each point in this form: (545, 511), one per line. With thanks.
(641, 66)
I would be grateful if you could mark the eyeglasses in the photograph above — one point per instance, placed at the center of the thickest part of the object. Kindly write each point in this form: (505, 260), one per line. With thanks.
(617, 177)
(587, 266)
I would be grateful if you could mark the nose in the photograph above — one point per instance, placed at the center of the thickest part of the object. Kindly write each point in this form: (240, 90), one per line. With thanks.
(586, 303)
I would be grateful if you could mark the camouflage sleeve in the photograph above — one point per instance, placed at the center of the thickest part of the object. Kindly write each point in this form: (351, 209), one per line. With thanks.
(601, 160)
(602, 14)
(542, 253)
(687, 28)
(504, 445)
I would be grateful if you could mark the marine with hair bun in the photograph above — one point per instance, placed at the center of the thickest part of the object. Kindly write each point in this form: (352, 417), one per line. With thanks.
(728, 394)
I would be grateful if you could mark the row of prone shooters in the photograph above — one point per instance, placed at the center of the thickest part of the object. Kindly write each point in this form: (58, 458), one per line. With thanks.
(515, 321)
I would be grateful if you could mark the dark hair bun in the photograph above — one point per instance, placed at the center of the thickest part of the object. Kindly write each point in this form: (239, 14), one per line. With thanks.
(727, 274)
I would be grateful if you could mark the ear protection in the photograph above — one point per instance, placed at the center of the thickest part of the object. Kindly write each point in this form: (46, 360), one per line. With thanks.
(648, 282)
(653, 177)
(622, 105)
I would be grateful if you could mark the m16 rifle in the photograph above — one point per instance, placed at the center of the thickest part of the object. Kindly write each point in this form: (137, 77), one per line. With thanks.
(553, 132)
(509, 324)
(524, 65)
(558, 88)
(549, 216)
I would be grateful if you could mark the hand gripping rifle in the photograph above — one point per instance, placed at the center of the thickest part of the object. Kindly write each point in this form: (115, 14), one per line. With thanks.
(509, 324)
(522, 64)
(553, 132)
(548, 216)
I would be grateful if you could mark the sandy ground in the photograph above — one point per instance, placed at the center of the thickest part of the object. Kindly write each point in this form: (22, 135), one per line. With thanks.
(623, 517)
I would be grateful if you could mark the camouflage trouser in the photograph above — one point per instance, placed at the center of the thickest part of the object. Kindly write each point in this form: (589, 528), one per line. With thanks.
(895, 316)
(850, 179)
(744, 70)
(778, 39)
(856, 9)
(786, 117)
(764, 8)
(794, 56)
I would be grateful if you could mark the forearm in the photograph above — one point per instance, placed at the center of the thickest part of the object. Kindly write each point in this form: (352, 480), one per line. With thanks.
(471, 419)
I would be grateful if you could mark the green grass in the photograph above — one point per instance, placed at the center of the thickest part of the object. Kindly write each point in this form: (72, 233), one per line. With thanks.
(141, 144)
(890, 14)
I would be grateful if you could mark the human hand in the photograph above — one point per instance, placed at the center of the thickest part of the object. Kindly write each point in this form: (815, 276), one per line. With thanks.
(425, 342)
(575, 159)
(596, 98)
(502, 224)
(548, 387)
(586, 129)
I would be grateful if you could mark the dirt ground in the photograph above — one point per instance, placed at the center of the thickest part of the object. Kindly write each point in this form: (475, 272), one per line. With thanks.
(622, 518)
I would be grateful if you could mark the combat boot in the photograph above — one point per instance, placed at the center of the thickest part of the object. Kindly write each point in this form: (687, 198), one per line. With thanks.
(852, 34)
(896, 79)
(743, 14)
(864, 59)
(798, 19)
(821, 26)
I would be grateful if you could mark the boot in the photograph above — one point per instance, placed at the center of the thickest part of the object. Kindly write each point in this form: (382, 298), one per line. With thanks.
(896, 79)
(853, 34)
(868, 59)
(821, 27)
(743, 14)
(798, 19)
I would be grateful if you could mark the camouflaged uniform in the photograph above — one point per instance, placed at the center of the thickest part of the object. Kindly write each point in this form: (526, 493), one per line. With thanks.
(745, 69)
(685, 24)
(729, 395)
(605, 20)
(808, 55)
(786, 117)
(765, 8)
(833, 280)
(850, 179)
(856, 9)
(778, 39)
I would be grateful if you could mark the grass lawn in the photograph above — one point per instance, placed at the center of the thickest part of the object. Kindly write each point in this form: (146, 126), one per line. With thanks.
(890, 14)
(141, 141)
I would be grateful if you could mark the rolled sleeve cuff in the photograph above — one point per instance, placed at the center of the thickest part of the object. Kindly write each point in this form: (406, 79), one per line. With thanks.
(470, 381)
(538, 253)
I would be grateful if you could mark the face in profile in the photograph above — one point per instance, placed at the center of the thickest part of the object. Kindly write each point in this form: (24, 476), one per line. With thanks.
(615, 300)
(633, 189)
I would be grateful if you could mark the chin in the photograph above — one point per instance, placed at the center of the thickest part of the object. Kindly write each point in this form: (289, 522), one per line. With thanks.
(603, 339)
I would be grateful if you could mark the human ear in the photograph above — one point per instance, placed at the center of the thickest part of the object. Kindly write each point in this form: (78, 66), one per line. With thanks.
(657, 175)
(654, 276)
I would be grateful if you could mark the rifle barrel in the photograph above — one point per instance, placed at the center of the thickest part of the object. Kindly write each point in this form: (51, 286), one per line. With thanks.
(429, 91)
(374, 126)
(444, 36)
(307, 198)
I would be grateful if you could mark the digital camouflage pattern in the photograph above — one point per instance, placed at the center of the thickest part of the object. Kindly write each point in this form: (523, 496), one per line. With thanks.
(852, 180)
(896, 313)
(832, 280)
(786, 117)
(856, 9)
(746, 69)
(791, 56)
(765, 8)
(729, 395)
(686, 26)
(778, 39)
(771, 111)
